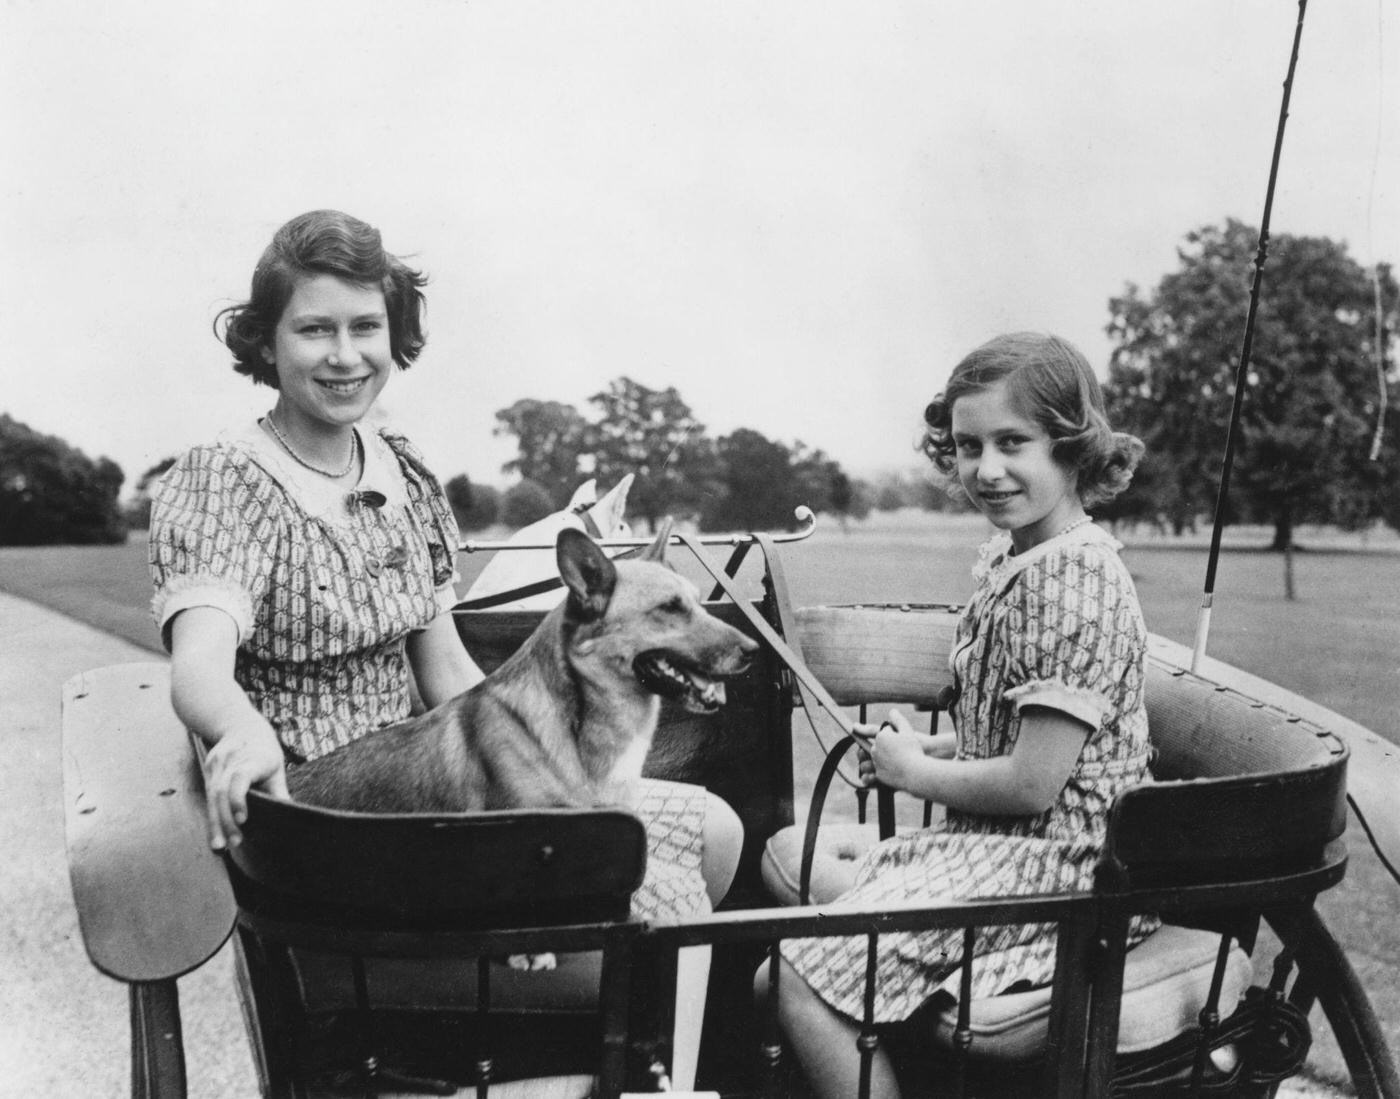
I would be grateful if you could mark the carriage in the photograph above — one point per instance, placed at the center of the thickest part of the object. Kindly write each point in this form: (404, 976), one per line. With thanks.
(370, 948)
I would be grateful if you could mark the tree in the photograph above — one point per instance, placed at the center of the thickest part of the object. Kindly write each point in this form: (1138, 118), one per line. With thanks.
(922, 488)
(138, 512)
(745, 481)
(761, 482)
(653, 434)
(525, 503)
(1311, 395)
(754, 482)
(552, 439)
(475, 506)
(825, 487)
(52, 493)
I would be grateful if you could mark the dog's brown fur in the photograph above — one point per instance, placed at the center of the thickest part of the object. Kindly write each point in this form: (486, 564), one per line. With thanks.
(567, 720)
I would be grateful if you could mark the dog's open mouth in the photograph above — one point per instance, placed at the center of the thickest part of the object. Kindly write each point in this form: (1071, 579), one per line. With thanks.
(664, 674)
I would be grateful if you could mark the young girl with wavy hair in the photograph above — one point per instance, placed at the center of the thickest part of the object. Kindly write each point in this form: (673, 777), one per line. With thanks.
(1048, 665)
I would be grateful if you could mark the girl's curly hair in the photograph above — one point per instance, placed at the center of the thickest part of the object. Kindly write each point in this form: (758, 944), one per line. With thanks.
(322, 242)
(1050, 382)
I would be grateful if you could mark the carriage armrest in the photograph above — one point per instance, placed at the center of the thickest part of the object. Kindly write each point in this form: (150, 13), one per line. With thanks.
(1374, 772)
(153, 900)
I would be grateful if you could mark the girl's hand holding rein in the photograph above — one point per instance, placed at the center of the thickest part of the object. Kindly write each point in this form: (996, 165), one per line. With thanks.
(1025, 782)
(934, 746)
(893, 755)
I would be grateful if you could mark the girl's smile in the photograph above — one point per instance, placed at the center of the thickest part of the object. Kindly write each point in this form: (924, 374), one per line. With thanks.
(1007, 467)
(332, 354)
(343, 388)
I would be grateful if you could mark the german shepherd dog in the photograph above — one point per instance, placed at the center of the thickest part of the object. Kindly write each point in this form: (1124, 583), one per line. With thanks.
(568, 719)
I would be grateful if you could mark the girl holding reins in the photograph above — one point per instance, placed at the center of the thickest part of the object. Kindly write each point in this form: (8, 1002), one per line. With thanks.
(1048, 667)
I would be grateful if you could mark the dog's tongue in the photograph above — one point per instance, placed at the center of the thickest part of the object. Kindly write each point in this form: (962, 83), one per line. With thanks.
(708, 691)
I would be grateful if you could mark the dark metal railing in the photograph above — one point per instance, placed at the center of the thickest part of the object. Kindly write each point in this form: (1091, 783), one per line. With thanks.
(1076, 916)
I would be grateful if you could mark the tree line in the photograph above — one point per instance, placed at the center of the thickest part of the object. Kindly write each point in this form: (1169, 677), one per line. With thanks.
(1317, 439)
(742, 480)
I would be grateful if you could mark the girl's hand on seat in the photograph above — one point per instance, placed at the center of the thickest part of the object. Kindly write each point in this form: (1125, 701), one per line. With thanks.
(240, 760)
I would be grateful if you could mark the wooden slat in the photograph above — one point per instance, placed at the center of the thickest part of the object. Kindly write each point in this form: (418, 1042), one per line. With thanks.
(153, 900)
(879, 654)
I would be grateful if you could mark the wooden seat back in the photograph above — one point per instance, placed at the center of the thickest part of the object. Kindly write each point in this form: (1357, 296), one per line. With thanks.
(469, 886)
(434, 872)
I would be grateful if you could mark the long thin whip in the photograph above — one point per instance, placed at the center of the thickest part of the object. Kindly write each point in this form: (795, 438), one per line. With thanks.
(1242, 370)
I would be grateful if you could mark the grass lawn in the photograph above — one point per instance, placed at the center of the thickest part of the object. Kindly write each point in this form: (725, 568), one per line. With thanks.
(1338, 642)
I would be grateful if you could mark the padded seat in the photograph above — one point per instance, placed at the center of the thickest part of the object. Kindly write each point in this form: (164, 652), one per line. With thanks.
(1166, 978)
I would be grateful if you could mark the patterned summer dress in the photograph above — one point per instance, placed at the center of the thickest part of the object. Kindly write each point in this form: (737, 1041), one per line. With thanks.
(325, 587)
(1057, 626)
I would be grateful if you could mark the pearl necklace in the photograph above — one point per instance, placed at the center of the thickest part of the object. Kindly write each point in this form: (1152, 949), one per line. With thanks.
(332, 474)
(1073, 525)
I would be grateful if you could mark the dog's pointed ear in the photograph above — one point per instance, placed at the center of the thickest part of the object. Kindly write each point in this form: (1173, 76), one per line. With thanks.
(584, 497)
(587, 572)
(609, 513)
(657, 550)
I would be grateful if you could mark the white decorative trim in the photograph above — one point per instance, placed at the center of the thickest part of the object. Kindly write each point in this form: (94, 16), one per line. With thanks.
(1080, 703)
(995, 559)
(181, 592)
(318, 497)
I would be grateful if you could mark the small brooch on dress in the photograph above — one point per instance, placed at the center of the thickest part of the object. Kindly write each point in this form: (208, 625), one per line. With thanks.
(367, 498)
(395, 558)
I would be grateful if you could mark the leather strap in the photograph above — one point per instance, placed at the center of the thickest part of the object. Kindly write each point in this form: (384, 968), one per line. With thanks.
(805, 679)
(549, 583)
(482, 602)
(813, 694)
(814, 817)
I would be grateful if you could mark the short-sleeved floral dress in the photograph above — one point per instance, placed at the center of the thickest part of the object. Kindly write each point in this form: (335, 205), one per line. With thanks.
(325, 586)
(1058, 626)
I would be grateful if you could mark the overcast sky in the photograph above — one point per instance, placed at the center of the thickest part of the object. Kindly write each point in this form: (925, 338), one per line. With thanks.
(800, 214)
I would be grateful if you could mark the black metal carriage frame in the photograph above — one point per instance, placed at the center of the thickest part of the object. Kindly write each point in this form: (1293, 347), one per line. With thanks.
(1245, 827)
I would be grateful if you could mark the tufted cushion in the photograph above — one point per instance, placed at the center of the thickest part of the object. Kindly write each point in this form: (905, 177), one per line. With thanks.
(1165, 981)
(1165, 984)
(833, 867)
